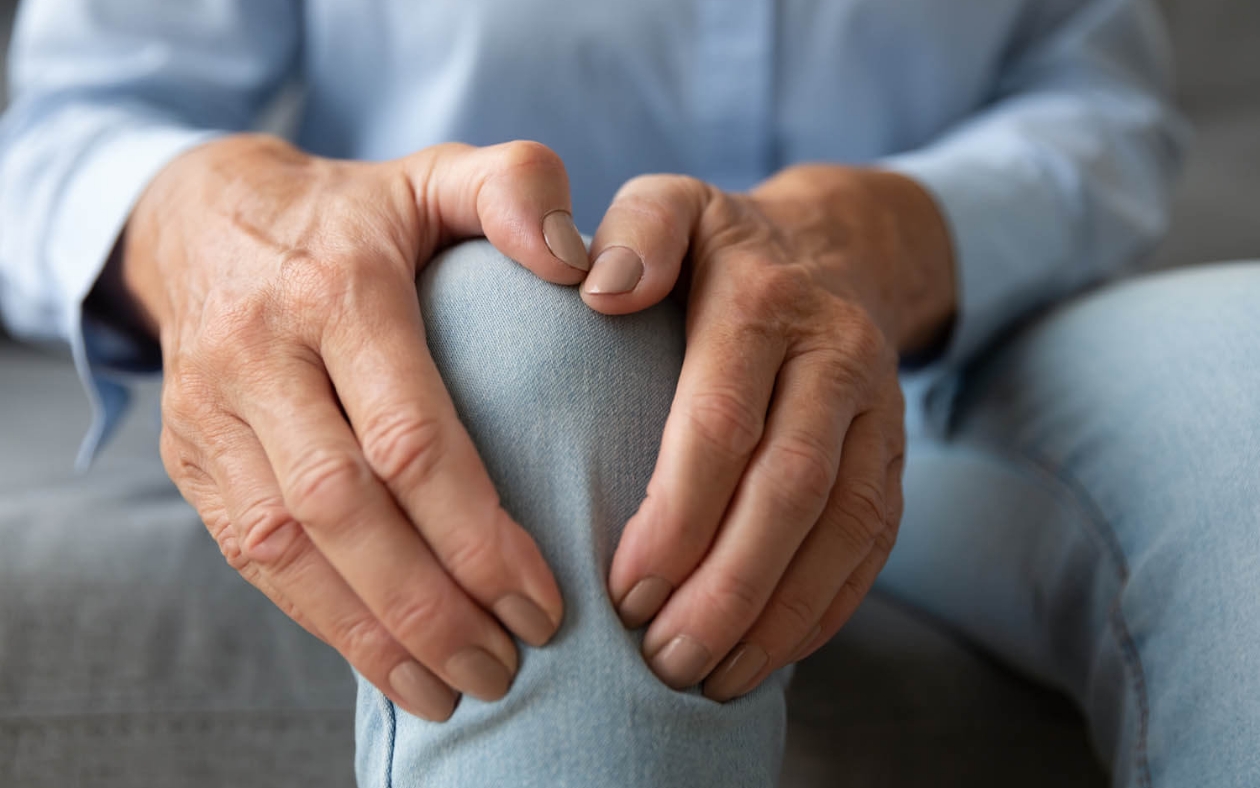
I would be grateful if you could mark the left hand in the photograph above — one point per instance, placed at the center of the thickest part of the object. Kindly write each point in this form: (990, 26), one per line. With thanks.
(777, 492)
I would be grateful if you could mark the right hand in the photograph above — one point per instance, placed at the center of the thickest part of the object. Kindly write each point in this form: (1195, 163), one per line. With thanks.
(303, 416)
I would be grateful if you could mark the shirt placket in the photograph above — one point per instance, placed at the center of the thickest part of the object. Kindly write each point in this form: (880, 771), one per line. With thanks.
(735, 90)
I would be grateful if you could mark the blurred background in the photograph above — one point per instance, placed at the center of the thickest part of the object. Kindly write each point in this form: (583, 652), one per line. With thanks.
(1216, 46)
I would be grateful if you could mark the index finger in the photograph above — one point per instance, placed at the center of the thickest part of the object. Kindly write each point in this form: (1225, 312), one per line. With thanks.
(516, 194)
(714, 425)
(357, 526)
(414, 442)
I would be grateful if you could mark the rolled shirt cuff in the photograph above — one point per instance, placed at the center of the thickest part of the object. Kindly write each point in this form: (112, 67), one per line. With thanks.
(94, 208)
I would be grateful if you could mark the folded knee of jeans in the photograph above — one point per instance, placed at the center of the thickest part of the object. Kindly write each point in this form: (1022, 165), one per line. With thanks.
(582, 713)
(503, 337)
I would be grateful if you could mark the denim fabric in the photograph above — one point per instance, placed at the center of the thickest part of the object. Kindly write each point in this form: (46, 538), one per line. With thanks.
(1090, 516)
(566, 407)
(1093, 517)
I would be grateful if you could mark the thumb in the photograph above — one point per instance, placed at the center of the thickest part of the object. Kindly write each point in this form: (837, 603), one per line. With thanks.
(640, 245)
(515, 194)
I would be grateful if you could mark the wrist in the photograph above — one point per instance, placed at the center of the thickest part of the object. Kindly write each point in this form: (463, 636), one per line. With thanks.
(884, 233)
(154, 241)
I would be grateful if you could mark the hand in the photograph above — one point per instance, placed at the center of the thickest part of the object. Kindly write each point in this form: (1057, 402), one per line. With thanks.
(777, 492)
(303, 416)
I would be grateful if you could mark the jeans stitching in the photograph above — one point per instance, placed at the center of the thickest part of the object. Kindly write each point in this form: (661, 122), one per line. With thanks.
(1102, 529)
(391, 737)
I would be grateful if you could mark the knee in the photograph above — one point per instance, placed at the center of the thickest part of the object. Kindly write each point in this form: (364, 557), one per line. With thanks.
(510, 345)
(565, 405)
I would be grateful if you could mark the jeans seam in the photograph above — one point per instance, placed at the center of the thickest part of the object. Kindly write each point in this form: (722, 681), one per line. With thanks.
(1102, 529)
(391, 723)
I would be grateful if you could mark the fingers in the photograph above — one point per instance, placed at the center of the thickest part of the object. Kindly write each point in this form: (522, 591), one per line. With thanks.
(825, 570)
(413, 440)
(781, 496)
(240, 504)
(354, 522)
(714, 425)
(515, 194)
(862, 580)
(847, 600)
(641, 242)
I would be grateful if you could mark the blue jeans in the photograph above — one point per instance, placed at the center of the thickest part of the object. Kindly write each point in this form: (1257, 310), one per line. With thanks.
(1090, 514)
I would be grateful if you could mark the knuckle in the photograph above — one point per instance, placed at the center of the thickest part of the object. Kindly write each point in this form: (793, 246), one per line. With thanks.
(175, 458)
(656, 196)
(886, 539)
(402, 447)
(472, 554)
(187, 402)
(787, 286)
(863, 510)
(230, 548)
(361, 639)
(895, 511)
(644, 184)
(724, 222)
(793, 613)
(530, 156)
(848, 598)
(648, 209)
(418, 614)
(801, 469)
(865, 343)
(260, 524)
(220, 528)
(725, 422)
(323, 483)
(737, 599)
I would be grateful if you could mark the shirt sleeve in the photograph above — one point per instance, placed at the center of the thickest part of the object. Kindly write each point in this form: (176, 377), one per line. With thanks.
(105, 93)
(1061, 180)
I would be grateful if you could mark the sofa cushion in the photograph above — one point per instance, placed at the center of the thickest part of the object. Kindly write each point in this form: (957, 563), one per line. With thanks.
(131, 654)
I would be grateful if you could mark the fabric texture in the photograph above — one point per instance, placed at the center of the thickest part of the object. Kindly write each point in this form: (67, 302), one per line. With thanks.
(1094, 518)
(1089, 518)
(566, 407)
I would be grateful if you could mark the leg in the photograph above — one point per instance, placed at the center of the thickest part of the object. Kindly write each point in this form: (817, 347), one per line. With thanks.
(566, 407)
(1094, 517)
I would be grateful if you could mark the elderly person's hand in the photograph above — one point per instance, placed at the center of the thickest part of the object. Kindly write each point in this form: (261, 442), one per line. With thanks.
(777, 493)
(303, 416)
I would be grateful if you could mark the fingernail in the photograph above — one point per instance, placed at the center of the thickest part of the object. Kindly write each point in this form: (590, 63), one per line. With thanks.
(422, 694)
(616, 270)
(526, 619)
(479, 674)
(681, 663)
(731, 678)
(799, 653)
(564, 240)
(643, 601)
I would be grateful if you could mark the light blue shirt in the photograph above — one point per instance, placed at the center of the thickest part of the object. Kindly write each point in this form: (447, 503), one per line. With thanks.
(1042, 127)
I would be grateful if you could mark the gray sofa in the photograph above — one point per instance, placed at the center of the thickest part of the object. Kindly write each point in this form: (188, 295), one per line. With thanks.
(88, 563)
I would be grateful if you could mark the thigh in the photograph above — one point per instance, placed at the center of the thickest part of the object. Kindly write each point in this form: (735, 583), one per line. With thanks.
(566, 407)
(1093, 516)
